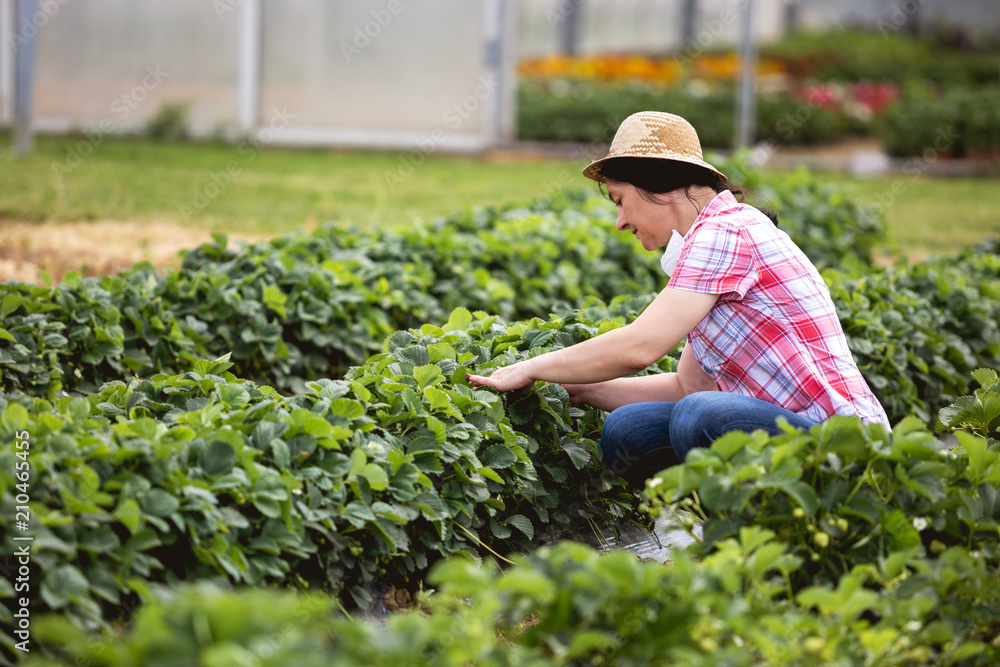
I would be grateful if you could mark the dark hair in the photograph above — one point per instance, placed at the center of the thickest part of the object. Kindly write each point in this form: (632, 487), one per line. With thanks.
(654, 176)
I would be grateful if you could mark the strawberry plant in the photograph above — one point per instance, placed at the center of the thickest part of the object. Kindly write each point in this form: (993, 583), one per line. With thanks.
(310, 305)
(911, 579)
(978, 413)
(353, 483)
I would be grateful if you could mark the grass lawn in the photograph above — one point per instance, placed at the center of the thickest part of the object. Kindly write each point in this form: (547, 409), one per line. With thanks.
(925, 215)
(272, 191)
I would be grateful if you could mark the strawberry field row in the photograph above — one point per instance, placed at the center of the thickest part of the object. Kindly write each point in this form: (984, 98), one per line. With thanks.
(309, 305)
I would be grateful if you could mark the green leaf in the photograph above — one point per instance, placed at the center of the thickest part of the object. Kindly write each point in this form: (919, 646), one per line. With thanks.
(529, 583)
(578, 454)
(901, 529)
(730, 443)
(358, 513)
(10, 303)
(218, 458)
(459, 320)
(275, 299)
(317, 427)
(63, 585)
(948, 415)
(376, 476)
(233, 395)
(590, 642)
(267, 506)
(427, 375)
(13, 420)
(522, 524)
(128, 513)
(280, 452)
(490, 474)
(498, 531)
(497, 457)
(358, 461)
(159, 503)
(346, 407)
(439, 401)
(718, 493)
(985, 377)
(893, 564)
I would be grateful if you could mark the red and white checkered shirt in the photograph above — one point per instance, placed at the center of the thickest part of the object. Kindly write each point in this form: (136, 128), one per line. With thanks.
(774, 333)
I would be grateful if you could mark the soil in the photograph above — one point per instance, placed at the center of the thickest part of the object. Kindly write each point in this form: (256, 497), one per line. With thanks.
(397, 599)
(94, 248)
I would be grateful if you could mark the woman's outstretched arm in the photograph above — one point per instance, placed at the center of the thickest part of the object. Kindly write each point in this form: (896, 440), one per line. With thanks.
(616, 353)
(613, 394)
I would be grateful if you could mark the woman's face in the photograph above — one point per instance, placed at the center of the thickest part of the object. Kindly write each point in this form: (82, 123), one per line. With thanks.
(651, 221)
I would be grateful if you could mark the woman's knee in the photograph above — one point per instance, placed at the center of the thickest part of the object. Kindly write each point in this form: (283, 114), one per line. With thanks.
(615, 434)
(702, 417)
(635, 436)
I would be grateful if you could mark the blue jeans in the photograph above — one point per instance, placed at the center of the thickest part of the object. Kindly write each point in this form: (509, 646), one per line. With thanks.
(641, 439)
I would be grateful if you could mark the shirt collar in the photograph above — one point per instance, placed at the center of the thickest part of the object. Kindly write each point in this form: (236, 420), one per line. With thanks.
(721, 203)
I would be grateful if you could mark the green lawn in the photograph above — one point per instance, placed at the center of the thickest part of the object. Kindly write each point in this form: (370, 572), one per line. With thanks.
(224, 188)
(271, 191)
(925, 215)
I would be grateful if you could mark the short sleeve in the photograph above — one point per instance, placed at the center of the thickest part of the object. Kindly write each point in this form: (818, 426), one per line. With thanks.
(716, 259)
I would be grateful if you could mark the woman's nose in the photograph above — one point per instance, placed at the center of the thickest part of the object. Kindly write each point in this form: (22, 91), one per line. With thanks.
(620, 224)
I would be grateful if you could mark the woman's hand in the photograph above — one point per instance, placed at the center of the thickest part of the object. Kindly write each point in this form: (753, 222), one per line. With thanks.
(515, 376)
(579, 393)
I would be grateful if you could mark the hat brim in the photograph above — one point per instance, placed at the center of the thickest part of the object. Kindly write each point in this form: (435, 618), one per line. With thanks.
(593, 170)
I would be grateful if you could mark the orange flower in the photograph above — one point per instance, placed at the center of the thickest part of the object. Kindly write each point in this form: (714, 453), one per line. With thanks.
(661, 71)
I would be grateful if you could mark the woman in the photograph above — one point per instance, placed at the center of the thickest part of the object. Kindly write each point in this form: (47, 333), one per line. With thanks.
(763, 337)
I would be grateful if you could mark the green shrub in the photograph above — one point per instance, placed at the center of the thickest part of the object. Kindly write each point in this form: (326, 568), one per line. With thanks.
(578, 111)
(918, 332)
(353, 482)
(886, 55)
(170, 122)
(846, 544)
(959, 122)
(979, 412)
(832, 229)
(309, 305)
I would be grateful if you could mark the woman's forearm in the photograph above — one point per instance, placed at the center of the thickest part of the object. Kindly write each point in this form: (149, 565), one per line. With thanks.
(617, 353)
(613, 394)
(610, 355)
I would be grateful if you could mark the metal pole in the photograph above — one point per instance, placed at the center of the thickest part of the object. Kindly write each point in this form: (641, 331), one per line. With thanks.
(24, 57)
(689, 12)
(7, 22)
(791, 15)
(249, 65)
(745, 102)
(500, 34)
(507, 115)
(569, 29)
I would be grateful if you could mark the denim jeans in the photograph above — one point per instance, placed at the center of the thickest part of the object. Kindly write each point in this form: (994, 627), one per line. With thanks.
(641, 439)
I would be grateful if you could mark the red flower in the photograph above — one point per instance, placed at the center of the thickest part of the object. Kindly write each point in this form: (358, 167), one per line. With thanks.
(875, 95)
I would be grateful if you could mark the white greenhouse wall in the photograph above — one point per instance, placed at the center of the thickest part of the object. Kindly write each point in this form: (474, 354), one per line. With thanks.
(397, 73)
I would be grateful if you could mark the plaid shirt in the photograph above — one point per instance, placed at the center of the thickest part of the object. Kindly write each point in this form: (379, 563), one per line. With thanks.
(774, 333)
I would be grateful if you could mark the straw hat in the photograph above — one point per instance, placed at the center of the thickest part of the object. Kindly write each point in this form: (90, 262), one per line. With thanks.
(654, 134)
